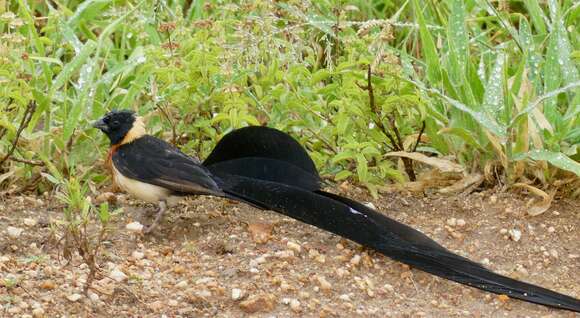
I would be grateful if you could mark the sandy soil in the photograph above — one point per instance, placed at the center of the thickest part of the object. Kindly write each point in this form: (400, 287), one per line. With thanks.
(206, 260)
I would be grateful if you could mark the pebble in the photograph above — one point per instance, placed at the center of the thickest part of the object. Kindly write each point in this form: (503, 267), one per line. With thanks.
(294, 247)
(324, 284)
(38, 312)
(344, 297)
(236, 293)
(137, 255)
(256, 303)
(29, 222)
(295, 305)
(503, 231)
(485, 261)
(173, 303)
(48, 284)
(93, 296)
(515, 234)
(461, 222)
(182, 284)
(117, 275)
(284, 254)
(452, 222)
(551, 229)
(370, 205)
(14, 232)
(355, 260)
(74, 297)
(134, 227)
(493, 199)
(389, 287)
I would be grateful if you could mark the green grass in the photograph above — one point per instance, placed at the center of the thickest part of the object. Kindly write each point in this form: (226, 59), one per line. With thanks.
(496, 85)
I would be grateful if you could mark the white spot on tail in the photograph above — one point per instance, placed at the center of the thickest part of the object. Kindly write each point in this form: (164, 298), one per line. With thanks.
(353, 211)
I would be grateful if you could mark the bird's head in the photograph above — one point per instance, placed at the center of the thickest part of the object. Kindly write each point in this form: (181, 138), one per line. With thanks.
(121, 126)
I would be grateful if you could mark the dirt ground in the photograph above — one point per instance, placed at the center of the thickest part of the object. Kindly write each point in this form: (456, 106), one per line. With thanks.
(207, 260)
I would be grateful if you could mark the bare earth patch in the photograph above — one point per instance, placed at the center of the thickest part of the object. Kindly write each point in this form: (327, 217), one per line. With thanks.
(214, 258)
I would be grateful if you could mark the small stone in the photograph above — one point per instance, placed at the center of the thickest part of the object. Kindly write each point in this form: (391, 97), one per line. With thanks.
(339, 246)
(461, 222)
(515, 234)
(503, 231)
(182, 284)
(38, 312)
(284, 254)
(260, 232)
(554, 253)
(452, 222)
(485, 262)
(93, 297)
(344, 297)
(236, 293)
(137, 255)
(551, 229)
(324, 284)
(48, 284)
(29, 222)
(257, 303)
(108, 197)
(134, 227)
(295, 305)
(294, 247)
(74, 297)
(389, 287)
(355, 260)
(493, 199)
(14, 232)
(173, 303)
(117, 275)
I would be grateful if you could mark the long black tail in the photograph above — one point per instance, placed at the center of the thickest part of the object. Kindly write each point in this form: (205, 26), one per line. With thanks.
(363, 225)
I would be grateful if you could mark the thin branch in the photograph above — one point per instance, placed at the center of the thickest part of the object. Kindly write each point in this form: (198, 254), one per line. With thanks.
(30, 108)
(28, 162)
(419, 137)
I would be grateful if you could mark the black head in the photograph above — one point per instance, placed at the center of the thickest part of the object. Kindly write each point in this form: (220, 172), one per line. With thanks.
(116, 124)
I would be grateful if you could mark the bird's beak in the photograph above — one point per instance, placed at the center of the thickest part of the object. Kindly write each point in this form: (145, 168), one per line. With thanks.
(101, 125)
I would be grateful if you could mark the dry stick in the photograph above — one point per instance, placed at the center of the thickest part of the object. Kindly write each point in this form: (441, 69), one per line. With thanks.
(173, 129)
(23, 124)
(419, 137)
(396, 144)
(28, 162)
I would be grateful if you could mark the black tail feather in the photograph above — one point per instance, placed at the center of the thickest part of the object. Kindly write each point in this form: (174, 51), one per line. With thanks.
(363, 225)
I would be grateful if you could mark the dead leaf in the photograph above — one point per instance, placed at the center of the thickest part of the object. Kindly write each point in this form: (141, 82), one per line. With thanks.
(534, 206)
(442, 164)
(260, 232)
(459, 186)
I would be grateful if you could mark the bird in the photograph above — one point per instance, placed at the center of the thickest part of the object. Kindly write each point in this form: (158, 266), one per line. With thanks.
(268, 169)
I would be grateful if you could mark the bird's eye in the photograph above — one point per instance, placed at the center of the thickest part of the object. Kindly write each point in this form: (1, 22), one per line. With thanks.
(115, 123)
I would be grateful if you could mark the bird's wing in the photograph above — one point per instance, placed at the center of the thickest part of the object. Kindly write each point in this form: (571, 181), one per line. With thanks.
(275, 155)
(372, 229)
(156, 162)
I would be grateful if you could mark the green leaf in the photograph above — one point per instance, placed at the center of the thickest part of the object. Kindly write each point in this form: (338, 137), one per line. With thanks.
(342, 175)
(558, 159)
(362, 169)
(71, 67)
(428, 45)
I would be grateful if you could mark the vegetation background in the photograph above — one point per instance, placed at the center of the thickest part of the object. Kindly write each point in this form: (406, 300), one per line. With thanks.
(482, 91)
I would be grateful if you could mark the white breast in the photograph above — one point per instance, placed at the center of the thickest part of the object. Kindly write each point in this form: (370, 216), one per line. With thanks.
(140, 190)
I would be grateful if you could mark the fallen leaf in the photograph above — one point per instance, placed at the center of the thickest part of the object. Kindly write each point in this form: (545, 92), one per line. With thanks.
(534, 206)
(459, 186)
(442, 164)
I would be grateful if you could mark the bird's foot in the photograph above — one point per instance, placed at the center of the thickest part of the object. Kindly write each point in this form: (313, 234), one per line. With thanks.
(158, 217)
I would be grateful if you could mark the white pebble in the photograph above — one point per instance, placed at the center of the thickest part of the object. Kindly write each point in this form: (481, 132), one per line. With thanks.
(117, 275)
(295, 304)
(515, 234)
(137, 255)
(134, 227)
(461, 222)
(452, 222)
(74, 297)
(93, 296)
(29, 222)
(355, 260)
(182, 284)
(14, 232)
(294, 246)
(344, 297)
(551, 229)
(370, 205)
(236, 293)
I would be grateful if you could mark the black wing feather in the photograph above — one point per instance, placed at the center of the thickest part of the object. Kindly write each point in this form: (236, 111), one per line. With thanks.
(154, 161)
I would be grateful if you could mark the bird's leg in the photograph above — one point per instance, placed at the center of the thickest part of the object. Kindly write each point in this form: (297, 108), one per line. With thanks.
(158, 217)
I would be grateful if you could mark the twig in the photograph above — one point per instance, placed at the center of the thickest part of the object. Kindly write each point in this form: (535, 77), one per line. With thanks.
(173, 129)
(30, 108)
(28, 162)
(419, 137)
